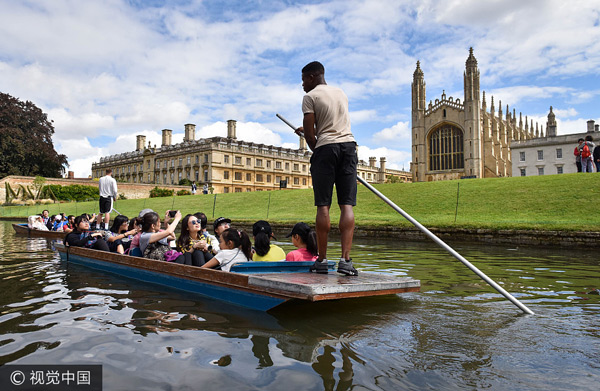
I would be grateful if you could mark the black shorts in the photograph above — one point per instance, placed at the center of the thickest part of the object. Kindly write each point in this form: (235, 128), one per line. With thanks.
(334, 164)
(105, 205)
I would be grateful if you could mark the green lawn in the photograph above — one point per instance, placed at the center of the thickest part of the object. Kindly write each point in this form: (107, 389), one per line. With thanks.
(553, 202)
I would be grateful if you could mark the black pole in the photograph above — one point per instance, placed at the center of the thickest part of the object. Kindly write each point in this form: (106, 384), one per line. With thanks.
(214, 205)
(269, 205)
(456, 211)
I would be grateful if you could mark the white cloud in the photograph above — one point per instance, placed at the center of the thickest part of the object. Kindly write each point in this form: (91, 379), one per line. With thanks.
(395, 159)
(399, 132)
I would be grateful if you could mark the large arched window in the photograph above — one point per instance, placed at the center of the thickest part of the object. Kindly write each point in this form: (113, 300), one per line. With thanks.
(446, 149)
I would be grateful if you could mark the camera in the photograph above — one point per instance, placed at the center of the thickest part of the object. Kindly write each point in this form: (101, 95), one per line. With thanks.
(172, 213)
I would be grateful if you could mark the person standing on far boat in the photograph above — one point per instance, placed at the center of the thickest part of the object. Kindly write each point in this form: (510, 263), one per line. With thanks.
(108, 193)
(326, 126)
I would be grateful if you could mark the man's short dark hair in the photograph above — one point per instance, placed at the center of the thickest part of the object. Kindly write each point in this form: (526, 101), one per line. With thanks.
(108, 170)
(589, 138)
(314, 68)
(580, 140)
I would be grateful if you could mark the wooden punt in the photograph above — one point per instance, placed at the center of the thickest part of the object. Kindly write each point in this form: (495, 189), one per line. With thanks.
(23, 229)
(256, 285)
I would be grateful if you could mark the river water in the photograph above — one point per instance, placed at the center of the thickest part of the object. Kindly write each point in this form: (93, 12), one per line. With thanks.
(456, 334)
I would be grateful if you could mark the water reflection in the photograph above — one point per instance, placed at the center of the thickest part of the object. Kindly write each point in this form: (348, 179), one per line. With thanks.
(456, 334)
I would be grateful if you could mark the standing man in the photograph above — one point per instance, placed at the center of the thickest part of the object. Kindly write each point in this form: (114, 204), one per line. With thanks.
(108, 193)
(577, 153)
(326, 126)
(194, 187)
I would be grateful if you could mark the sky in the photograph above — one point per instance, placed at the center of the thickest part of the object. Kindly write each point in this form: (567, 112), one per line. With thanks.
(107, 70)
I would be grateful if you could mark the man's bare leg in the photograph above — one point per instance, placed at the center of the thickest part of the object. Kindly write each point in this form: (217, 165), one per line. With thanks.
(323, 226)
(346, 229)
(106, 220)
(99, 221)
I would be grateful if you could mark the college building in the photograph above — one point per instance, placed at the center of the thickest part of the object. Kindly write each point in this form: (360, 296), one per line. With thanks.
(453, 139)
(225, 164)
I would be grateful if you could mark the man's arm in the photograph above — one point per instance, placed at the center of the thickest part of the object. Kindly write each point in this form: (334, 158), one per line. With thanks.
(309, 130)
(115, 190)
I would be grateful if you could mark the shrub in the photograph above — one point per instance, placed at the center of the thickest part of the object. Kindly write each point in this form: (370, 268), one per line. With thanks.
(185, 182)
(122, 196)
(72, 192)
(158, 192)
(183, 192)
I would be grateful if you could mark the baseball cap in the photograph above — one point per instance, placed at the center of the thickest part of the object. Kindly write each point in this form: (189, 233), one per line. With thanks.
(219, 221)
(299, 229)
(262, 226)
(144, 211)
(58, 218)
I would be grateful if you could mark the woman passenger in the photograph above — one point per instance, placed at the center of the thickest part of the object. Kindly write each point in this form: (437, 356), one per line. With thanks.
(264, 250)
(154, 241)
(235, 247)
(192, 243)
(305, 239)
(118, 235)
(83, 237)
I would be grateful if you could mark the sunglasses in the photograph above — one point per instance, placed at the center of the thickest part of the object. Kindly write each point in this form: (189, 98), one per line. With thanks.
(195, 222)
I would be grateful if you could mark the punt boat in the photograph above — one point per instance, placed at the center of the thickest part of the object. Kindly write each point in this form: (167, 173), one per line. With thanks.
(23, 229)
(256, 285)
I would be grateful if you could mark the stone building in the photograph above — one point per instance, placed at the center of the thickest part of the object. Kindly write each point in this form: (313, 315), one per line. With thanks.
(225, 164)
(549, 155)
(452, 139)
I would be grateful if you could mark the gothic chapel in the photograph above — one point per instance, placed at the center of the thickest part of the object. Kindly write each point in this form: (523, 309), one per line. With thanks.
(453, 139)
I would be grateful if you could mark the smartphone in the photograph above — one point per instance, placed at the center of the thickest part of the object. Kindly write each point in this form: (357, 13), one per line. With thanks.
(172, 213)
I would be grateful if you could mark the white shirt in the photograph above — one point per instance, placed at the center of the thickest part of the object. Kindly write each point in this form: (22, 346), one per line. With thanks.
(108, 187)
(227, 258)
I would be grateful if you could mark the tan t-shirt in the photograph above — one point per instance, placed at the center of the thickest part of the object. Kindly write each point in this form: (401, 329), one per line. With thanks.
(330, 106)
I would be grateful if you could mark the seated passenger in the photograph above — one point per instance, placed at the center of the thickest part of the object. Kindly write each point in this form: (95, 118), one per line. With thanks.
(221, 224)
(118, 235)
(263, 249)
(58, 223)
(192, 243)
(154, 241)
(305, 239)
(213, 242)
(36, 222)
(83, 237)
(135, 224)
(235, 247)
(70, 225)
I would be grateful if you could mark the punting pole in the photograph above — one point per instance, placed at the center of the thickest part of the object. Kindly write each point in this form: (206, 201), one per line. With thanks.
(439, 241)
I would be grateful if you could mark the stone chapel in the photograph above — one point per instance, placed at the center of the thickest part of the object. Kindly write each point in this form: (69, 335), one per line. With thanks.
(453, 139)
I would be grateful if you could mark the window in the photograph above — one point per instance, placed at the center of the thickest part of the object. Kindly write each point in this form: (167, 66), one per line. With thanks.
(226, 189)
(540, 154)
(278, 165)
(189, 160)
(197, 176)
(277, 179)
(259, 178)
(148, 164)
(248, 190)
(172, 178)
(559, 155)
(197, 159)
(165, 179)
(304, 181)
(206, 158)
(446, 149)
(258, 162)
(369, 176)
(128, 169)
(238, 189)
(172, 162)
(540, 170)
(521, 156)
(157, 164)
(287, 166)
(304, 168)
(296, 167)
(134, 179)
(248, 161)
(226, 175)
(238, 160)
(523, 172)
(559, 170)
(296, 181)
(226, 160)
(179, 177)
(180, 161)
(268, 178)
(165, 164)
(268, 164)
(238, 176)
(205, 175)
(149, 180)
(248, 177)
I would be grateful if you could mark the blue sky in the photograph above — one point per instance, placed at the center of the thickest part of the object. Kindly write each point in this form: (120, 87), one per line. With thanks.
(106, 71)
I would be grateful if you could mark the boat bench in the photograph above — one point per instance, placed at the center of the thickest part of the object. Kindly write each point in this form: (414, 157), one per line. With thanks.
(275, 267)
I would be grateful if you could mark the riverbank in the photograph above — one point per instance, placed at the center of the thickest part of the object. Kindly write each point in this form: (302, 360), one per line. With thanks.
(544, 210)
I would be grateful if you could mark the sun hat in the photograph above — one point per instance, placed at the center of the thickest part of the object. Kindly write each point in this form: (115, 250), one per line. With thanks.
(299, 229)
(144, 211)
(219, 221)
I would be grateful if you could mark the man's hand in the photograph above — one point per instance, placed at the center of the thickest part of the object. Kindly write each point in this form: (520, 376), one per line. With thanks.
(300, 131)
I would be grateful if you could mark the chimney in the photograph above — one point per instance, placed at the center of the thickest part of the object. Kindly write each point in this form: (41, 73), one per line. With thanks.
(140, 141)
(231, 129)
(372, 161)
(590, 126)
(596, 128)
(302, 144)
(166, 137)
(190, 132)
(382, 164)
(71, 175)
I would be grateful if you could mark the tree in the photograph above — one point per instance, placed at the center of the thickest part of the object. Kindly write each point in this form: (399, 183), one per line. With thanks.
(26, 146)
(393, 179)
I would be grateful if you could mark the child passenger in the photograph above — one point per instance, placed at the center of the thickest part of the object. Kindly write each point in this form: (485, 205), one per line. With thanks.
(264, 250)
(235, 247)
(305, 239)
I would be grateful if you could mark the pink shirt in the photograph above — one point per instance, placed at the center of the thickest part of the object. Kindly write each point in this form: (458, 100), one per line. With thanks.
(135, 242)
(299, 255)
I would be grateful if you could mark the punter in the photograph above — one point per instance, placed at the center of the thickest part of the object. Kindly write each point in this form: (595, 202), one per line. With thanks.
(108, 193)
(326, 127)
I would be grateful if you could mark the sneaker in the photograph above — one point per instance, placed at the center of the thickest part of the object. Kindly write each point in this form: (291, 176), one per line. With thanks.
(320, 267)
(345, 267)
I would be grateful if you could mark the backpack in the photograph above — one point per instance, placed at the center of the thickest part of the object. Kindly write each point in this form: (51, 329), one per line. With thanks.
(585, 151)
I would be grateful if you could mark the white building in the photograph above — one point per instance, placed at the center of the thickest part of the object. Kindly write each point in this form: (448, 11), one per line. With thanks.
(551, 154)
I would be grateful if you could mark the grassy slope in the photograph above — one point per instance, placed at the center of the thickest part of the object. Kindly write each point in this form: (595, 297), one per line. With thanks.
(563, 202)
